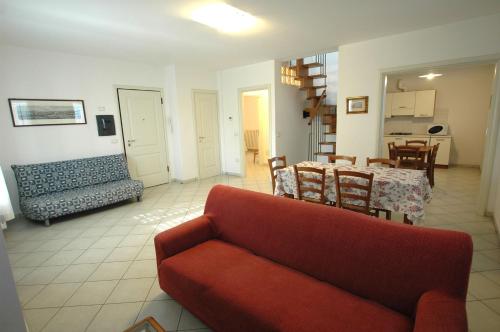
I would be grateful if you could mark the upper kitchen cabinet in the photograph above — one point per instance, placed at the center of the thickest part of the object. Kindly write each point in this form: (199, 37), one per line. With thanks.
(424, 103)
(388, 105)
(403, 103)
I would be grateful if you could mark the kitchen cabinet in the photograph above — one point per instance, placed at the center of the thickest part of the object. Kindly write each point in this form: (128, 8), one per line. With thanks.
(424, 103)
(443, 155)
(388, 105)
(403, 103)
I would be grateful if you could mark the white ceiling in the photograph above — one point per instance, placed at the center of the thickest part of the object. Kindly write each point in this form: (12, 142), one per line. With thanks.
(155, 31)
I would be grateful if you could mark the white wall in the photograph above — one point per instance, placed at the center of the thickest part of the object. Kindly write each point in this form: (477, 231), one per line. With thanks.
(462, 101)
(292, 131)
(361, 65)
(27, 73)
(180, 81)
(230, 82)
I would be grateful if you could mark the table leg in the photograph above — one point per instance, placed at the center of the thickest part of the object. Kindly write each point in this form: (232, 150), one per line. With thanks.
(407, 221)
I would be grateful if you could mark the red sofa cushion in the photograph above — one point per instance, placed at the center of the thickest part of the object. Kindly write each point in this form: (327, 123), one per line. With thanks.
(228, 282)
(387, 262)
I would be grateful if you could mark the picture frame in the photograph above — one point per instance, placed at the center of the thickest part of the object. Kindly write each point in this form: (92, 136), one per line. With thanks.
(47, 112)
(357, 105)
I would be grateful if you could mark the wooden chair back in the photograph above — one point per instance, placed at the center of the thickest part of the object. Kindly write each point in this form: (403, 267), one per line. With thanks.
(431, 163)
(276, 163)
(410, 156)
(349, 193)
(389, 162)
(392, 150)
(333, 159)
(307, 182)
(416, 142)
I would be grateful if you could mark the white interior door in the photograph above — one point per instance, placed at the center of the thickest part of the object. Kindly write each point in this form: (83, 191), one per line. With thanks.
(144, 135)
(207, 132)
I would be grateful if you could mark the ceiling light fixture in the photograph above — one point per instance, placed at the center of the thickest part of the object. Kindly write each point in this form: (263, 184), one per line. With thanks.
(430, 76)
(224, 18)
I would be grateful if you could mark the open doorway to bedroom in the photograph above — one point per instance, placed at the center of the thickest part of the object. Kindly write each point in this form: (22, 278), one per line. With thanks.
(255, 123)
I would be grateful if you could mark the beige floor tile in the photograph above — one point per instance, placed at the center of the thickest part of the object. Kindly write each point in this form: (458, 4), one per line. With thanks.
(42, 275)
(27, 292)
(131, 290)
(36, 319)
(189, 322)
(141, 269)
(65, 257)
(74, 319)
(110, 271)
(482, 287)
(52, 245)
(94, 231)
(148, 252)
(481, 318)
(115, 317)
(167, 313)
(21, 272)
(493, 276)
(119, 230)
(133, 241)
(54, 295)
(25, 246)
(493, 304)
(108, 241)
(156, 293)
(94, 292)
(76, 273)
(80, 243)
(123, 254)
(34, 259)
(482, 263)
(93, 256)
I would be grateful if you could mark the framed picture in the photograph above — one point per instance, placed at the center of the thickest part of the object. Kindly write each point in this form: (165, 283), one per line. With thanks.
(46, 112)
(356, 105)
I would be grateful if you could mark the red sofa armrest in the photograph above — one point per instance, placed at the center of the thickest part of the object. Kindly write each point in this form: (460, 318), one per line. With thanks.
(439, 311)
(182, 237)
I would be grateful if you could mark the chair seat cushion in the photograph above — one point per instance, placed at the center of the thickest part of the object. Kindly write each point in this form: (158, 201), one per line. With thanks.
(75, 200)
(240, 291)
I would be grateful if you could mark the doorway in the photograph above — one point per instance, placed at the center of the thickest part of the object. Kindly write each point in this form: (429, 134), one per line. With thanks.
(256, 137)
(207, 133)
(144, 136)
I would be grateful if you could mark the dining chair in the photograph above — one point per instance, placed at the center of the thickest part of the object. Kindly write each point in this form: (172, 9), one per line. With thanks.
(431, 164)
(416, 142)
(334, 158)
(410, 156)
(392, 150)
(354, 190)
(275, 164)
(392, 163)
(308, 180)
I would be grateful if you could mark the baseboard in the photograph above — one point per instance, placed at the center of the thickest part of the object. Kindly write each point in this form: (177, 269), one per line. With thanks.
(185, 180)
(440, 166)
(232, 174)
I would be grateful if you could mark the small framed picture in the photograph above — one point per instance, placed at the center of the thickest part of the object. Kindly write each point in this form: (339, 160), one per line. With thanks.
(357, 105)
(46, 112)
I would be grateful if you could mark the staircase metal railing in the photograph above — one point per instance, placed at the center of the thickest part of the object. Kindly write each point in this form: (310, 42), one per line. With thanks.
(316, 127)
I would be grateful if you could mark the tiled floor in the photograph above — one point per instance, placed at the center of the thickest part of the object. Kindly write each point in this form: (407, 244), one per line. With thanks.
(97, 272)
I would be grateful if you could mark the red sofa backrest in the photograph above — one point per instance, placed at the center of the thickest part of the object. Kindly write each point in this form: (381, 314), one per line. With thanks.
(390, 263)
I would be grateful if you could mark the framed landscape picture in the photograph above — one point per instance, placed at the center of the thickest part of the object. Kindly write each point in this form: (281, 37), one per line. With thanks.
(46, 112)
(356, 105)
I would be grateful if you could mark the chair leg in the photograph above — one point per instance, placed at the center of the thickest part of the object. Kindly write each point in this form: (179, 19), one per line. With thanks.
(47, 222)
(139, 198)
(407, 221)
(388, 215)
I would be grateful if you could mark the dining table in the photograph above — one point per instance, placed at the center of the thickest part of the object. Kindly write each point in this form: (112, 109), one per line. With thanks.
(395, 189)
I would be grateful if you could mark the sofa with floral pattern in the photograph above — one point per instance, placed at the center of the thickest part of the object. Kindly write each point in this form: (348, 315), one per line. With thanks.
(56, 189)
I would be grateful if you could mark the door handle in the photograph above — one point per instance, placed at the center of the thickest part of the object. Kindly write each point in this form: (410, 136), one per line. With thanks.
(131, 140)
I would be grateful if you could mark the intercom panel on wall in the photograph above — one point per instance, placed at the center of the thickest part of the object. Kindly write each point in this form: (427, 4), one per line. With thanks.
(106, 125)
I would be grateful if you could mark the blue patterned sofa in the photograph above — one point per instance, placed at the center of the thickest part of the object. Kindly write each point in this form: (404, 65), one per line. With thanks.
(56, 189)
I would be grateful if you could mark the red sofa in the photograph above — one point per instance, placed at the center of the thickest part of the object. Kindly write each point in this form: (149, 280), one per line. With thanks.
(254, 262)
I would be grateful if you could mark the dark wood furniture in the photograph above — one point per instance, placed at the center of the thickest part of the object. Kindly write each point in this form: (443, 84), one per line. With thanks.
(392, 150)
(416, 142)
(334, 158)
(383, 161)
(276, 163)
(148, 324)
(410, 156)
(431, 163)
(307, 183)
(348, 190)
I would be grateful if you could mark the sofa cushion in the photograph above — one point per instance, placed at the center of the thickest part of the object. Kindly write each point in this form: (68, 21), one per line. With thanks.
(80, 199)
(387, 262)
(41, 179)
(240, 291)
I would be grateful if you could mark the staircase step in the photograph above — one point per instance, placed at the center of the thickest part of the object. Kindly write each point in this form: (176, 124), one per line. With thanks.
(330, 133)
(324, 154)
(313, 87)
(312, 65)
(327, 143)
(310, 77)
(314, 97)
